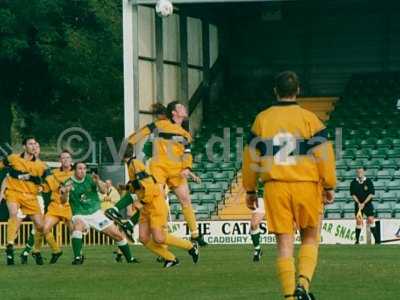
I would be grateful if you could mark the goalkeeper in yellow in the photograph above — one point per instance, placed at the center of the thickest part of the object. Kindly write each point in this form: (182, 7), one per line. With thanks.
(172, 159)
(153, 223)
(289, 151)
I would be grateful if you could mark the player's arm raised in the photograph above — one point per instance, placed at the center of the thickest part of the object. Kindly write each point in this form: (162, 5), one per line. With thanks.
(101, 185)
(144, 132)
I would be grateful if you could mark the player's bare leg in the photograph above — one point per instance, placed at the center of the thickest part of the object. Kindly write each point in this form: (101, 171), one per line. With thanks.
(49, 223)
(121, 241)
(183, 194)
(12, 229)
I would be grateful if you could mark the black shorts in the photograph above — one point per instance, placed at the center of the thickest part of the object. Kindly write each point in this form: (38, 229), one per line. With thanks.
(368, 210)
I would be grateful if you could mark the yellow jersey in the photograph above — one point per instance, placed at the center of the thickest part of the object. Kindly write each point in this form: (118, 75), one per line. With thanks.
(25, 176)
(53, 182)
(171, 143)
(289, 144)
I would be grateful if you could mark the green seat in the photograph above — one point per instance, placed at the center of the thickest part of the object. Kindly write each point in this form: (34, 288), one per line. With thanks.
(341, 164)
(396, 174)
(207, 198)
(197, 187)
(371, 173)
(227, 166)
(206, 177)
(350, 174)
(368, 142)
(396, 143)
(394, 186)
(348, 210)
(379, 184)
(393, 153)
(388, 196)
(389, 163)
(341, 196)
(384, 174)
(215, 187)
(349, 154)
(210, 166)
(355, 164)
(344, 185)
(373, 164)
(362, 154)
(333, 211)
(396, 211)
(384, 143)
(383, 210)
(378, 153)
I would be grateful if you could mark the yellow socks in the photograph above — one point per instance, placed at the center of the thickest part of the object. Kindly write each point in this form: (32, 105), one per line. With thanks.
(172, 240)
(12, 230)
(160, 250)
(52, 243)
(286, 274)
(38, 240)
(190, 219)
(308, 257)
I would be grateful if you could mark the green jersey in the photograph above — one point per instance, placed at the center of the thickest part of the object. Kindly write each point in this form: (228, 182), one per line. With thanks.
(83, 197)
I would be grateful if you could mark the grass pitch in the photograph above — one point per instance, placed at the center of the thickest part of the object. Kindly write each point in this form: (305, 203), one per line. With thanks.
(223, 272)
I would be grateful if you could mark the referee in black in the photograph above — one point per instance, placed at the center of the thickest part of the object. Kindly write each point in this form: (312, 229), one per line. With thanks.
(362, 190)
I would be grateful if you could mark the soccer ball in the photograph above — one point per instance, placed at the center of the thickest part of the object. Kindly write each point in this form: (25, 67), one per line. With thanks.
(164, 8)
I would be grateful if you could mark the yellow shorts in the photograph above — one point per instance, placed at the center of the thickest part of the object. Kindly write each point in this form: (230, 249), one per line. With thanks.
(292, 204)
(58, 210)
(155, 213)
(28, 203)
(167, 174)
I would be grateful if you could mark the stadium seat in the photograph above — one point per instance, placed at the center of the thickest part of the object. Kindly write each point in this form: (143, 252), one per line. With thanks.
(389, 163)
(393, 185)
(380, 185)
(379, 153)
(343, 185)
(363, 154)
(355, 164)
(197, 187)
(393, 153)
(348, 210)
(396, 211)
(388, 195)
(373, 164)
(342, 196)
(333, 211)
(384, 174)
(383, 210)
(341, 164)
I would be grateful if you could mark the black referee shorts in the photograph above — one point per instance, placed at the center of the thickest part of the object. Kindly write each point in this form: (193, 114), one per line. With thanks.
(368, 210)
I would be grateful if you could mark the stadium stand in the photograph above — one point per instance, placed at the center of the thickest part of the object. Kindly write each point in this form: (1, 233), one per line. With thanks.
(369, 121)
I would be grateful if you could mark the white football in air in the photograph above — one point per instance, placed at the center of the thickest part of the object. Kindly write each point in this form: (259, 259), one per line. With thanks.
(164, 8)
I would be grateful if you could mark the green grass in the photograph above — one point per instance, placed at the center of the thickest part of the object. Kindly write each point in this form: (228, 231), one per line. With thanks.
(223, 272)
